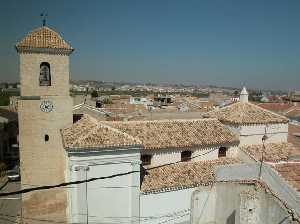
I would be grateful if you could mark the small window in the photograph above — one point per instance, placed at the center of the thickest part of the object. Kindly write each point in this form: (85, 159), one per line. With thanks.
(146, 160)
(222, 152)
(45, 75)
(46, 138)
(186, 156)
(77, 117)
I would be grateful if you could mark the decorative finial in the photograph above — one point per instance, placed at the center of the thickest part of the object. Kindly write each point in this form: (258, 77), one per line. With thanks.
(44, 15)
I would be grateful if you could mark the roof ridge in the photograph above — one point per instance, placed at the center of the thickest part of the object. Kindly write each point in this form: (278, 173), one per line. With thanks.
(165, 120)
(89, 132)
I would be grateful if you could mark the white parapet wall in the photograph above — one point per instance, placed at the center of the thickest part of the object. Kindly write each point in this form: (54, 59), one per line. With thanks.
(111, 200)
(166, 207)
(276, 183)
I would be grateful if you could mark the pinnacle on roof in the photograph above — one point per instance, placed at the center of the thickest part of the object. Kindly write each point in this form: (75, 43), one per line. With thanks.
(244, 95)
(43, 39)
(244, 91)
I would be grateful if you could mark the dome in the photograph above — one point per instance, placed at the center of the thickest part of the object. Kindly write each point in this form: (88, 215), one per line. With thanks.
(44, 39)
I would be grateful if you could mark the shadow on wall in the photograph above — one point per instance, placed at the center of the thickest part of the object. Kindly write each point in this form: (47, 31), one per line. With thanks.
(231, 218)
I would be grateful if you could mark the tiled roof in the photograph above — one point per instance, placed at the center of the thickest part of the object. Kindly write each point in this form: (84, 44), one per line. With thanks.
(290, 172)
(273, 152)
(246, 113)
(276, 107)
(89, 133)
(293, 130)
(177, 133)
(183, 175)
(43, 37)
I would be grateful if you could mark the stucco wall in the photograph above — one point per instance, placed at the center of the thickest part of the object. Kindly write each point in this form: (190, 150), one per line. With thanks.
(274, 181)
(252, 134)
(165, 156)
(234, 203)
(30, 71)
(113, 200)
(43, 162)
(166, 207)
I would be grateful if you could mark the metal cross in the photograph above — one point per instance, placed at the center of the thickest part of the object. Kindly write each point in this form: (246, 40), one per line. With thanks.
(44, 16)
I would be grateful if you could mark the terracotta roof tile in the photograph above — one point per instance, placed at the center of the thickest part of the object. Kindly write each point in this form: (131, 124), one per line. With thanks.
(183, 175)
(290, 172)
(177, 133)
(89, 133)
(43, 37)
(246, 113)
(276, 107)
(274, 152)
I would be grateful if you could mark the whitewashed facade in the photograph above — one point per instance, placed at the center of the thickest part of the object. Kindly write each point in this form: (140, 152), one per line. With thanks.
(107, 200)
(164, 156)
(166, 207)
(252, 134)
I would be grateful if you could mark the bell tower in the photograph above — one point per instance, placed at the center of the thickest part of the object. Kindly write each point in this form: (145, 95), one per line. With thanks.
(44, 108)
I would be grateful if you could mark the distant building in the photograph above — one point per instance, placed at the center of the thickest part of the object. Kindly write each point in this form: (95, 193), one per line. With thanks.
(164, 100)
(139, 100)
(294, 96)
(264, 99)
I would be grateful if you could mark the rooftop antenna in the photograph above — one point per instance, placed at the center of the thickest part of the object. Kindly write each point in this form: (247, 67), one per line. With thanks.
(44, 16)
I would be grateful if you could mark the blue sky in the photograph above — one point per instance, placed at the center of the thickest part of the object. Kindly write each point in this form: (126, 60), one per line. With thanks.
(219, 42)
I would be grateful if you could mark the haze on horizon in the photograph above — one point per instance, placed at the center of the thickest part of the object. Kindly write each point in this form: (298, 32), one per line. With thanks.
(225, 43)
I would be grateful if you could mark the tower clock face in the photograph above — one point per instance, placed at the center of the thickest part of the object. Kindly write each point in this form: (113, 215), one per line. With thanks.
(46, 106)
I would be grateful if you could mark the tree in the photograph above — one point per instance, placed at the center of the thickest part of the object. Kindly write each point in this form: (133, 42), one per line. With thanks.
(4, 100)
(107, 101)
(94, 94)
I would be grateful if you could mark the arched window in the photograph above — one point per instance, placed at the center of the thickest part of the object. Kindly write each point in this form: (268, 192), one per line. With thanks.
(186, 156)
(45, 74)
(222, 152)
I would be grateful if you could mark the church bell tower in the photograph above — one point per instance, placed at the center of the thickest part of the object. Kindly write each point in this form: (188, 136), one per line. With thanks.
(44, 108)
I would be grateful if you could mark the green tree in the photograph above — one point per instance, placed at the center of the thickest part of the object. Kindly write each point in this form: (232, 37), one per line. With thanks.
(94, 94)
(4, 100)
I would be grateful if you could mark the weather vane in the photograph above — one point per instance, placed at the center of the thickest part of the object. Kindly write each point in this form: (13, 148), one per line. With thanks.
(44, 15)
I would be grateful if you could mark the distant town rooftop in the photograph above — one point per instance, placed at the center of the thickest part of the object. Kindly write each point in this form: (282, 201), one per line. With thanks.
(290, 172)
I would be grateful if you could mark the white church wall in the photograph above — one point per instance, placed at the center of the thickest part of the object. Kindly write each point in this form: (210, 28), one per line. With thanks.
(252, 134)
(205, 154)
(166, 207)
(104, 200)
(232, 151)
(244, 157)
(160, 157)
